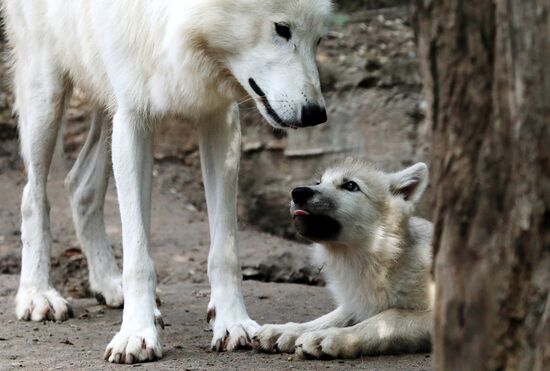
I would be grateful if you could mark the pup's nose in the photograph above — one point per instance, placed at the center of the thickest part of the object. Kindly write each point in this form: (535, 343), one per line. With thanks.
(300, 195)
(313, 114)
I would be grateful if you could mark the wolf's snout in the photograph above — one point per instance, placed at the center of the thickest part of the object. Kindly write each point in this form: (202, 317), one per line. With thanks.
(301, 195)
(313, 114)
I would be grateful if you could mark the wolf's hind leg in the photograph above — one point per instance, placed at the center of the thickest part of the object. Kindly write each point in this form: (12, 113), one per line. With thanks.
(87, 184)
(40, 94)
(392, 331)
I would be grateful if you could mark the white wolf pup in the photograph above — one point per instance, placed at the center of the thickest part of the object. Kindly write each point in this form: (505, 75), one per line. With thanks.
(376, 259)
(143, 61)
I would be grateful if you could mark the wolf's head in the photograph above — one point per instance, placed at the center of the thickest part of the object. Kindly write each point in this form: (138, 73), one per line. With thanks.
(270, 48)
(353, 200)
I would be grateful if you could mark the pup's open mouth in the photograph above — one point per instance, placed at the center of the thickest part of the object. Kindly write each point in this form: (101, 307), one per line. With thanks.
(315, 227)
(270, 111)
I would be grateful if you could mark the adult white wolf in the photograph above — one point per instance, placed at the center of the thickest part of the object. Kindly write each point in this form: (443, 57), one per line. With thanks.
(142, 61)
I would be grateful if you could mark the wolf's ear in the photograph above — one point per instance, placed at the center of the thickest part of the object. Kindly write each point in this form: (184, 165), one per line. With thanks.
(410, 184)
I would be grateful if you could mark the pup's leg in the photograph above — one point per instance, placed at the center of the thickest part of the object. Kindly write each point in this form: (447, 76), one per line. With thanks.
(87, 184)
(392, 331)
(40, 92)
(132, 146)
(220, 144)
(282, 338)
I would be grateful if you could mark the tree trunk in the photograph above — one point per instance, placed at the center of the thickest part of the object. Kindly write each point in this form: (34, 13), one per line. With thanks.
(486, 71)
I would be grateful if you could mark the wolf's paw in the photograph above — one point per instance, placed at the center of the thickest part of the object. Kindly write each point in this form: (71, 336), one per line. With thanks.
(328, 344)
(230, 334)
(233, 336)
(109, 291)
(31, 305)
(134, 346)
(277, 338)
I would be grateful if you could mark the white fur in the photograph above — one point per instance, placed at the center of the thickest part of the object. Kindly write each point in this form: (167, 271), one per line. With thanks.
(87, 184)
(142, 61)
(377, 268)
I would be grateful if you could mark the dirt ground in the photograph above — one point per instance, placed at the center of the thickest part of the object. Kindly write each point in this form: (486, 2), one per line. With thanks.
(180, 245)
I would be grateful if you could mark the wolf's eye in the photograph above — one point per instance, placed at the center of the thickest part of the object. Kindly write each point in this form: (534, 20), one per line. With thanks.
(351, 186)
(319, 41)
(318, 182)
(283, 30)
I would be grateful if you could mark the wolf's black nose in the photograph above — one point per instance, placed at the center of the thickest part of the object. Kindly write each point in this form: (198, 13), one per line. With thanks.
(313, 114)
(301, 194)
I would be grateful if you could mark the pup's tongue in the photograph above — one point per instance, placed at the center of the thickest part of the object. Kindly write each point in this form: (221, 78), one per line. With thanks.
(300, 213)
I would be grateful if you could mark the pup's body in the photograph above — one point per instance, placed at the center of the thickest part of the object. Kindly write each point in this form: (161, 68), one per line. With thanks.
(376, 259)
(142, 61)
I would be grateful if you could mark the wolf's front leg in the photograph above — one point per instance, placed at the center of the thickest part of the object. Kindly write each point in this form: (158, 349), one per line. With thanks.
(40, 100)
(138, 339)
(220, 146)
(392, 331)
(282, 338)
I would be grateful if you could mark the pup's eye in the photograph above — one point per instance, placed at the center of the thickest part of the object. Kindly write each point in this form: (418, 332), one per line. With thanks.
(318, 182)
(351, 187)
(283, 30)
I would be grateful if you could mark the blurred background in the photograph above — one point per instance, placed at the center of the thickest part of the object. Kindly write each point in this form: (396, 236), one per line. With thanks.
(370, 77)
(488, 79)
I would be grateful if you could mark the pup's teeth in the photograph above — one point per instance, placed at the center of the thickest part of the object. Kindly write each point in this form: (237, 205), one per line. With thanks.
(300, 213)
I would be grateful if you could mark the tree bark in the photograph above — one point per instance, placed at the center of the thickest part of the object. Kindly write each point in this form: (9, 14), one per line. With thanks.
(486, 71)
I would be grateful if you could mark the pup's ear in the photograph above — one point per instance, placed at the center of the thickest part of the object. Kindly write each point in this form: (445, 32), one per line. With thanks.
(410, 184)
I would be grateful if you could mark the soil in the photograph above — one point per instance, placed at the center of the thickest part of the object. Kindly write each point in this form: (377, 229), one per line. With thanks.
(79, 343)
(180, 246)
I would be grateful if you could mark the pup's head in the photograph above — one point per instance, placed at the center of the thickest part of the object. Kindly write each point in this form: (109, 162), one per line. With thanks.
(274, 59)
(353, 199)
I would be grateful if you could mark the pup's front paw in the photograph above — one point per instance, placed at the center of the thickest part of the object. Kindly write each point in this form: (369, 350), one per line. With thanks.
(47, 305)
(277, 338)
(109, 291)
(231, 332)
(327, 344)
